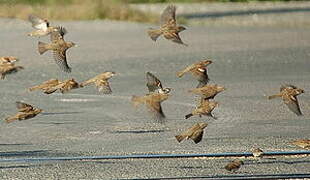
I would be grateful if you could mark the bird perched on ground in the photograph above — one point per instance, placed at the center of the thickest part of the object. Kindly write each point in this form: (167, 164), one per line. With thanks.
(8, 68)
(154, 85)
(101, 82)
(63, 87)
(289, 94)
(168, 27)
(153, 102)
(26, 111)
(42, 26)
(8, 59)
(257, 152)
(59, 47)
(234, 165)
(46, 86)
(303, 143)
(195, 133)
(208, 91)
(205, 108)
(199, 71)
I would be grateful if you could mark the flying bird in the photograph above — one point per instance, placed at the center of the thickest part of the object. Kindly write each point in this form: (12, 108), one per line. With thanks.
(101, 82)
(199, 71)
(8, 68)
(195, 133)
(8, 59)
(289, 94)
(303, 143)
(257, 152)
(42, 26)
(26, 111)
(208, 91)
(234, 165)
(59, 47)
(154, 85)
(204, 108)
(46, 86)
(168, 27)
(63, 87)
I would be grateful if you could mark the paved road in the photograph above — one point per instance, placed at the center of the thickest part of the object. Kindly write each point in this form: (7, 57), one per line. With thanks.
(251, 62)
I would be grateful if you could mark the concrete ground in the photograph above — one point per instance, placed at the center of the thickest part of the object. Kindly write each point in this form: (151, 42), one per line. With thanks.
(251, 62)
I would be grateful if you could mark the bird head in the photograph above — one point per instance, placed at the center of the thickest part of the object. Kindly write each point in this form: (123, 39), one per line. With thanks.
(299, 91)
(220, 88)
(110, 74)
(73, 83)
(181, 28)
(71, 44)
(166, 90)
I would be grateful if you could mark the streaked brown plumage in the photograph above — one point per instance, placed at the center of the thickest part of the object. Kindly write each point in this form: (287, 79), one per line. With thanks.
(204, 108)
(152, 101)
(46, 86)
(42, 26)
(8, 59)
(257, 152)
(63, 87)
(208, 91)
(199, 71)
(195, 133)
(26, 111)
(8, 68)
(303, 143)
(234, 165)
(168, 27)
(101, 82)
(154, 85)
(289, 94)
(59, 47)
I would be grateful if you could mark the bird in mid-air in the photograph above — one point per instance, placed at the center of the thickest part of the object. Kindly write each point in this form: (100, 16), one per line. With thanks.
(26, 111)
(204, 108)
(101, 82)
(303, 143)
(208, 91)
(8, 68)
(8, 59)
(234, 165)
(59, 47)
(195, 133)
(154, 85)
(199, 71)
(63, 86)
(46, 86)
(42, 26)
(289, 94)
(168, 27)
(257, 152)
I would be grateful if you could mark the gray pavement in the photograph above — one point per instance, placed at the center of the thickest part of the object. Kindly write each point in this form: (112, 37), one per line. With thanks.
(251, 62)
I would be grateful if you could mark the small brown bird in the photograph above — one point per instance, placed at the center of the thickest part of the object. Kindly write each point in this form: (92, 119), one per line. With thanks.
(234, 165)
(195, 133)
(26, 111)
(153, 102)
(208, 91)
(205, 108)
(289, 94)
(168, 27)
(303, 143)
(8, 68)
(257, 152)
(59, 47)
(42, 26)
(101, 82)
(46, 86)
(8, 59)
(63, 87)
(199, 71)
(154, 85)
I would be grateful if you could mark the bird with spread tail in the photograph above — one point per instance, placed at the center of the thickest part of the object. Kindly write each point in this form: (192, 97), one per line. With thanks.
(101, 82)
(59, 47)
(289, 94)
(207, 91)
(154, 85)
(26, 111)
(42, 26)
(199, 71)
(168, 27)
(8, 68)
(46, 86)
(204, 108)
(234, 165)
(63, 86)
(303, 143)
(8, 60)
(195, 133)
(257, 152)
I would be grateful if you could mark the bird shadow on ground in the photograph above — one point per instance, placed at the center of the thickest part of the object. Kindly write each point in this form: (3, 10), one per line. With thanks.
(137, 131)
(190, 167)
(17, 144)
(279, 161)
(17, 166)
(57, 123)
(59, 113)
(34, 153)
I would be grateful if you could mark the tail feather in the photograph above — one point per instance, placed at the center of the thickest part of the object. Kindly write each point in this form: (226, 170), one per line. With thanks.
(42, 47)
(34, 88)
(180, 73)
(85, 83)
(273, 96)
(154, 33)
(10, 119)
(2, 76)
(180, 137)
(188, 116)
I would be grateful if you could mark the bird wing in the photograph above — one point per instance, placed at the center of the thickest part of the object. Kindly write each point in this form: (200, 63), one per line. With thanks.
(168, 15)
(293, 105)
(58, 35)
(103, 86)
(153, 83)
(156, 107)
(23, 107)
(38, 23)
(174, 37)
(61, 60)
(197, 135)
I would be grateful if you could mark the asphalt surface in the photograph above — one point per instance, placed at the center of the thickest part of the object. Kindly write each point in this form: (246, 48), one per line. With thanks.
(251, 62)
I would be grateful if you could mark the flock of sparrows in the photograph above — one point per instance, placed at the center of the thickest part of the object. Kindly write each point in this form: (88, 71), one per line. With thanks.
(157, 93)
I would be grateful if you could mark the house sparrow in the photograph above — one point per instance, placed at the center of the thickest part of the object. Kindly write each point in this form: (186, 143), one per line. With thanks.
(154, 85)
(8, 59)
(195, 133)
(26, 111)
(42, 26)
(8, 68)
(257, 152)
(46, 85)
(234, 165)
(101, 82)
(205, 108)
(303, 143)
(207, 91)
